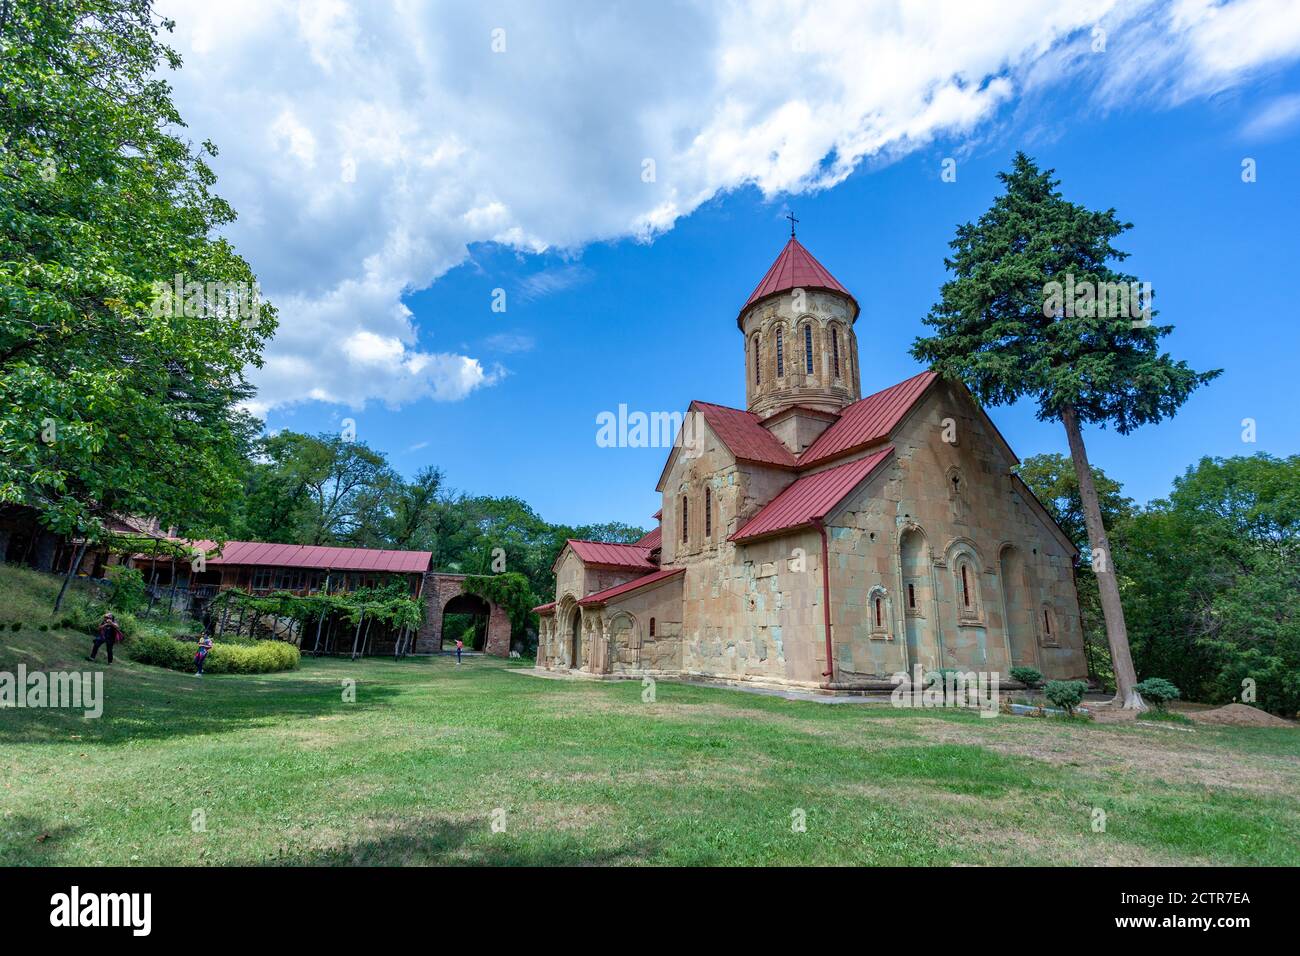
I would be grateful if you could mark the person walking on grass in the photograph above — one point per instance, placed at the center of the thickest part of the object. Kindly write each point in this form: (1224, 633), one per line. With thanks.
(108, 635)
(460, 646)
(201, 655)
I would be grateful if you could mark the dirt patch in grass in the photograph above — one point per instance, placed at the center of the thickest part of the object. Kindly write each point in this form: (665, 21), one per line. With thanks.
(1142, 753)
(1012, 830)
(1238, 715)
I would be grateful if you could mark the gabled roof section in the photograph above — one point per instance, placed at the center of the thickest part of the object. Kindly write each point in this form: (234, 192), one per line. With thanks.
(312, 556)
(744, 435)
(868, 421)
(652, 539)
(811, 497)
(618, 591)
(634, 557)
(795, 268)
(548, 608)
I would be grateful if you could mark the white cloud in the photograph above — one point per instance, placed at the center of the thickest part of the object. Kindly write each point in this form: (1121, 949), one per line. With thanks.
(550, 281)
(365, 145)
(1276, 116)
(510, 342)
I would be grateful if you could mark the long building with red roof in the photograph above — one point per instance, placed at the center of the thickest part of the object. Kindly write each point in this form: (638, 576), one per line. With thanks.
(818, 538)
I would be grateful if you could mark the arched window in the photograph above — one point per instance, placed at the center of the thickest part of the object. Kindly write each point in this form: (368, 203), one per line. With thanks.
(780, 354)
(957, 494)
(1047, 624)
(758, 363)
(878, 614)
(652, 628)
(685, 515)
(911, 595)
(966, 580)
(807, 349)
(708, 512)
(835, 350)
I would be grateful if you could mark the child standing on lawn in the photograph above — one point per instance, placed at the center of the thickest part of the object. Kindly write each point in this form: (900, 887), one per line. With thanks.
(201, 656)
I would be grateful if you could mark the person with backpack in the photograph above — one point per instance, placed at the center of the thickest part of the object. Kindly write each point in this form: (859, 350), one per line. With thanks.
(108, 635)
(201, 655)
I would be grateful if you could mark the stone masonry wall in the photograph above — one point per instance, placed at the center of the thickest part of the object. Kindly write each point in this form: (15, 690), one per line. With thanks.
(437, 591)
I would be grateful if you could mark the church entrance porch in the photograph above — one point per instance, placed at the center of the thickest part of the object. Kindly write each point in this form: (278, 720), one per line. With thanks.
(575, 640)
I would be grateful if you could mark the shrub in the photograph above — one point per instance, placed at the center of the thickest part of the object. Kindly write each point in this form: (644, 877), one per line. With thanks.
(150, 647)
(16, 626)
(1066, 694)
(1158, 690)
(128, 592)
(1029, 676)
(81, 618)
(161, 651)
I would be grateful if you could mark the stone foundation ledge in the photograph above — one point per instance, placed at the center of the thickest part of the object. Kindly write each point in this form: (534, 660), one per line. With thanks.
(874, 687)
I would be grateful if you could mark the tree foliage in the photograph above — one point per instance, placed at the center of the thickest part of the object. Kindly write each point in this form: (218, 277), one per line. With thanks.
(990, 327)
(1212, 582)
(112, 401)
(1052, 479)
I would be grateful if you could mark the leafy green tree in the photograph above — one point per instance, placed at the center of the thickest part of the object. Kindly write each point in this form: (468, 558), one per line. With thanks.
(275, 503)
(1052, 479)
(116, 395)
(610, 532)
(413, 510)
(1014, 323)
(1212, 582)
(317, 489)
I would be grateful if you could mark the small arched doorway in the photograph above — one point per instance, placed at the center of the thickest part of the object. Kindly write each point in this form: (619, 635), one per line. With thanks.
(916, 597)
(466, 617)
(1018, 608)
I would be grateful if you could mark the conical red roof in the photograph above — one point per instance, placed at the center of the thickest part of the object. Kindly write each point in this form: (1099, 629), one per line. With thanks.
(795, 268)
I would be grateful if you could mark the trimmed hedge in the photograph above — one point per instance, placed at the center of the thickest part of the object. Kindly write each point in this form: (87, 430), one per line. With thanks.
(1158, 690)
(1029, 676)
(260, 658)
(1066, 694)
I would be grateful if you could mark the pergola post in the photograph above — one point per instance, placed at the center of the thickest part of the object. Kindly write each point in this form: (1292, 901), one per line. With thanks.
(357, 635)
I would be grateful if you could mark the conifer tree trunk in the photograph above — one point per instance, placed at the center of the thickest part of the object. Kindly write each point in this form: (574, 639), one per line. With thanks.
(1103, 566)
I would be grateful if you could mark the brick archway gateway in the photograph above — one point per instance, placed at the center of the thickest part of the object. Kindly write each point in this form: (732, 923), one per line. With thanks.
(438, 591)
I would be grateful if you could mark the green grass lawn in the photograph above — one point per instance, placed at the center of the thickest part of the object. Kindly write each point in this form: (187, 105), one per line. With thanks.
(283, 770)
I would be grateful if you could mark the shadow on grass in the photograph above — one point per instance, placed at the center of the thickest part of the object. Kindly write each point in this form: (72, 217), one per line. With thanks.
(27, 841)
(147, 703)
(457, 843)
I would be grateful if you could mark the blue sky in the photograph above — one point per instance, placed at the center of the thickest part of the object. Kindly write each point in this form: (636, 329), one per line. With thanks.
(607, 310)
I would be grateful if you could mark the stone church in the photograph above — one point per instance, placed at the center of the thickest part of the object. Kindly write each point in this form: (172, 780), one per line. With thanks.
(818, 539)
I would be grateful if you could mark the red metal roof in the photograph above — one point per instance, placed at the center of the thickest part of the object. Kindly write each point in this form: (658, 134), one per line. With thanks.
(609, 594)
(312, 556)
(548, 608)
(744, 435)
(811, 497)
(634, 556)
(652, 539)
(795, 268)
(867, 421)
